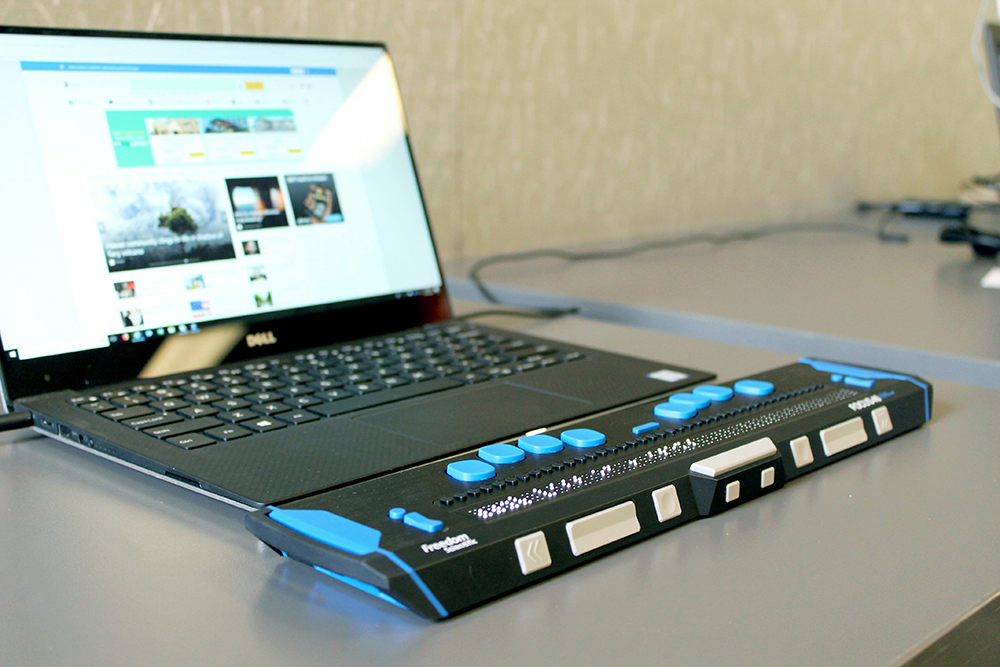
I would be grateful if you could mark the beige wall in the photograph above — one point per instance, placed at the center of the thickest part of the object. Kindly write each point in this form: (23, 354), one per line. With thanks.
(544, 122)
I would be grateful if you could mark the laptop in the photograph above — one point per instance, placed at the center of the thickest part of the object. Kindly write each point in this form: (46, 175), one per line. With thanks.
(217, 269)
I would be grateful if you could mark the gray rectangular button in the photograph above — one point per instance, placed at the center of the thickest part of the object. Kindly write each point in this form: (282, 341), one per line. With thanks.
(720, 464)
(843, 436)
(600, 528)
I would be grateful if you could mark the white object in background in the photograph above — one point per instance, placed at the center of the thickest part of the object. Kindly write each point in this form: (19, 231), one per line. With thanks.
(991, 279)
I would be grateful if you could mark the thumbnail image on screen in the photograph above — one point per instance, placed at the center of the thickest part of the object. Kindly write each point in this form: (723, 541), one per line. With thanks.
(313, 198)
(257, 202)
(162, 223)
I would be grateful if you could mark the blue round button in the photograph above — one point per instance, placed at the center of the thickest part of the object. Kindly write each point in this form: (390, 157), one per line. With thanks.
(397, 513)
(540, 444)
(753, 387)
(471, 471)
(675, 411)
(501, 454)
(694, 400)
(713, 392)
(583, 437)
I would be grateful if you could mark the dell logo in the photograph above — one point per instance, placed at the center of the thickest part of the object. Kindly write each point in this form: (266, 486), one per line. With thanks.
(262, 338)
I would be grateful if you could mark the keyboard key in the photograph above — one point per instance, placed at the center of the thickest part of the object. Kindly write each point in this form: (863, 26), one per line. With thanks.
(129, 400)
(334, 394)
(302, 401)
(297, 417)
(164, 393)
(236, 416)
(169, 404)
(204, 397)
(227, 433)
(97, 406)
(121, 414)
(231, 404)
(236, 391)
(191, 441)
(362, 388)
(270, 408)
(195, 411)
(263, 425)
(155, 419)
(183, 427)
(264, 397)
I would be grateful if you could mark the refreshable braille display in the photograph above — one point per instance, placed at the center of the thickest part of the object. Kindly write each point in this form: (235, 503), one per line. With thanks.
(445, 536)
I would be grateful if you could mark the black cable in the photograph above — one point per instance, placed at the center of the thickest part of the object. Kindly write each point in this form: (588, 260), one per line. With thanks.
(15, 420)
(883, 235)
(538, 313)
(676, 242)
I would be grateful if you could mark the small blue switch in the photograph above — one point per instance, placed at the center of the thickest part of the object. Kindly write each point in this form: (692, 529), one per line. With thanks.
(694, 400)
(713, 392)
(859, 382)
(501, 454)
(675, 411)
(471, 470)
(753, 387)
(582, 437)
(540, 444)
(418, 520)
(397, 513)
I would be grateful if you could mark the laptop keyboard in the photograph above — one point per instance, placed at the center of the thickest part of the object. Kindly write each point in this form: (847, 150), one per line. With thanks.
(237, 402)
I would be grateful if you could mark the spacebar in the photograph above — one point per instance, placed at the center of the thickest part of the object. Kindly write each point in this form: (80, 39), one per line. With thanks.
(382, 397)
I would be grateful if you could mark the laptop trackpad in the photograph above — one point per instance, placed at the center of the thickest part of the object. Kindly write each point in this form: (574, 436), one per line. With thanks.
(470, 418)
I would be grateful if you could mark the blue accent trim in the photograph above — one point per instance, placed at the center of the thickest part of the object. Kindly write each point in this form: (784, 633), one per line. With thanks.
(361, 586)
(46, 66)
(857, 371)
(417, 580)
(329, 528)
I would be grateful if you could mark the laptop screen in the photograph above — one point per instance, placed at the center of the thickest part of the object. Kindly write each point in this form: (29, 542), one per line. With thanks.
(154, 186)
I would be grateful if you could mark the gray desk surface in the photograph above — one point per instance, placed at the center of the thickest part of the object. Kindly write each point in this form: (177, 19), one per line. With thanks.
(916, 306)
(853, 565)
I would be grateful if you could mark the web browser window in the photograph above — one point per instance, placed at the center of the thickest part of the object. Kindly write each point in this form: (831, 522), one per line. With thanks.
(152, 186)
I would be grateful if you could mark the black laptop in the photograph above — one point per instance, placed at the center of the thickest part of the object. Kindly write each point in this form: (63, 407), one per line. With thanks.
(216, 268)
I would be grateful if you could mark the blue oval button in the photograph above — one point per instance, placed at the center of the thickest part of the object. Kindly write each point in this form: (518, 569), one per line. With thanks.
(471, 470)
(501, 454)
(695, 401)
(540, 444)
(583, 437)
(713, 392)
(675, 411)
(397, 513)
(753, 387)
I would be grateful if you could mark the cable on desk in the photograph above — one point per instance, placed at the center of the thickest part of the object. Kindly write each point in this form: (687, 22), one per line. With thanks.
(750, 234)
(15, 420)
(538, 313)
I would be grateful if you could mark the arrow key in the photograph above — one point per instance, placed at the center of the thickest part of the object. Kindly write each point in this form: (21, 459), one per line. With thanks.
(532, 552)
